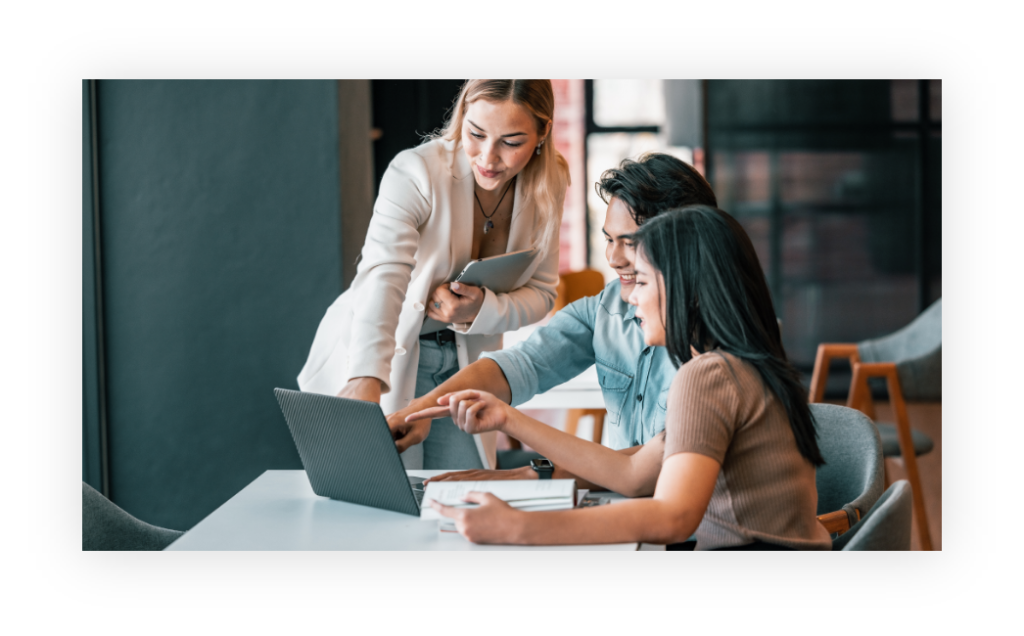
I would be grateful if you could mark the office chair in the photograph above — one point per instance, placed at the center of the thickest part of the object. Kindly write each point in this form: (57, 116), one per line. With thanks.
(105, 526)
(911, 362)
(886, 526)
(851, 480)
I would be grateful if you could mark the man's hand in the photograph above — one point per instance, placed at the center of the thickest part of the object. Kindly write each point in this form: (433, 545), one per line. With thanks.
(472, 411)
(365, 389)
(494, 521)
(486, 475)
(407, 434)
(455, 303)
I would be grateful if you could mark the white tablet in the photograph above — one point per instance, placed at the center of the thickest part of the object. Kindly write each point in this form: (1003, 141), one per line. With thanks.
(497, 273)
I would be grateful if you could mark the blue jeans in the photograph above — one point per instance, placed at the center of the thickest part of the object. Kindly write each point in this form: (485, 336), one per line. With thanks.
(446, 447)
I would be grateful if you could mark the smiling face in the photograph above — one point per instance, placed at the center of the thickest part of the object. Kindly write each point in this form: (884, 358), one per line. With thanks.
(647, 295)
(499, 138)
(618, 225)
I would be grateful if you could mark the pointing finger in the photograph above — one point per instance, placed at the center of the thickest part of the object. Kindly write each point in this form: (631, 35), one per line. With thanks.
(465, 394)
(432, 413)
(472, 413)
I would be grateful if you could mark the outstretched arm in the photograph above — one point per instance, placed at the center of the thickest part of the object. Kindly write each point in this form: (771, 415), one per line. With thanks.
(684, 490)
(567, 338)
(632, 474)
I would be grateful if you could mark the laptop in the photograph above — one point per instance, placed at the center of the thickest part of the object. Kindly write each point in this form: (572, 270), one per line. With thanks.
(347, 451)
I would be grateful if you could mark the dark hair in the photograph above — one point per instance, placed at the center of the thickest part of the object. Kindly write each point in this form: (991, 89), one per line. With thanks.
(654, 184)
(716, 297)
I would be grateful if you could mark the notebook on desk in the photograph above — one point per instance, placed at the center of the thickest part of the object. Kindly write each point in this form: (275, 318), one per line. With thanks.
(523, 494)
(347, 451)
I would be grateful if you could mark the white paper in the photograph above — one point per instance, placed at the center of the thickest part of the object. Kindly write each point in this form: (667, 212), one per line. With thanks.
(551, 494)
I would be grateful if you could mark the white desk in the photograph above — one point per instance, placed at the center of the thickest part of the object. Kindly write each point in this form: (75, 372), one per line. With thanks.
(278, 511)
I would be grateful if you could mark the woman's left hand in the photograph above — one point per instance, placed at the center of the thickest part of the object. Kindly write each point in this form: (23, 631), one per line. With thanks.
(455, 302)
(494, 521)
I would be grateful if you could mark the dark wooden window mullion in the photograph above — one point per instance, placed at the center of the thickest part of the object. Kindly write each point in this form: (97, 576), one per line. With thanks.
(94, 434)
(920, 210)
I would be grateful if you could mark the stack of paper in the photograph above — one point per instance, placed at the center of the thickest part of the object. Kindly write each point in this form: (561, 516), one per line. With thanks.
(525, 494)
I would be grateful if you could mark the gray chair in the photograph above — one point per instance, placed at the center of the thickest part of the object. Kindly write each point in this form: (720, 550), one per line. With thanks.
(851, 481)
(886, 526)
(917, 352)
(911, 362)
(105, 526)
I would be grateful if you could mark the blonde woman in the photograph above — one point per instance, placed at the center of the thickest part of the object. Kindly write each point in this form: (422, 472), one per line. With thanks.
(489, 183)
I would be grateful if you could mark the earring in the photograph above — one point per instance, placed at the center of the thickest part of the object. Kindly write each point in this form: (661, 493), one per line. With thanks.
(538, 147)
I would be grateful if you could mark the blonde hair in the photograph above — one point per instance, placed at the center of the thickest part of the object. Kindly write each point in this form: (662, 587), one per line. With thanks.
(546, 177)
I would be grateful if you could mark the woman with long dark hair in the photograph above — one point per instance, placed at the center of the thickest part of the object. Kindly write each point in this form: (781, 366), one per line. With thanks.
(737, 462)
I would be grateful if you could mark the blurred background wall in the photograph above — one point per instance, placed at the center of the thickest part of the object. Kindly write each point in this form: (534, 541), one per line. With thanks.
(839, 184)
(221, 218)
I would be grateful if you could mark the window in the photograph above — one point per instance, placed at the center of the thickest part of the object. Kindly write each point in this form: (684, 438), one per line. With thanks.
(838, 184)
(625, 118)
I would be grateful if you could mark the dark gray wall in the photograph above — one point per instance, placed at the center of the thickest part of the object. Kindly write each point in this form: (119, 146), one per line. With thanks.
(220, 233)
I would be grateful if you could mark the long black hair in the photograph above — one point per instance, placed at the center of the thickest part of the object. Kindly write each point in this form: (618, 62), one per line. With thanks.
(716, 297)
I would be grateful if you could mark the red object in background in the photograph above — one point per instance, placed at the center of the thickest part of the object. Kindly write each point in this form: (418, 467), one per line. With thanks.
(568, 136)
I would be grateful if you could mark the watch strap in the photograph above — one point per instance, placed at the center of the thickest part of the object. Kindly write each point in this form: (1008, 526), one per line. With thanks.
(543, 473)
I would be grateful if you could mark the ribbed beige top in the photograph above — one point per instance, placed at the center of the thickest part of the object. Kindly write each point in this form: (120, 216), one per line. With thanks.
(719, 407)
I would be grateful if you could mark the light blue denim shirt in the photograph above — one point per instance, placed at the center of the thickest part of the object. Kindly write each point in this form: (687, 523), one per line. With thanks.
(598, 330)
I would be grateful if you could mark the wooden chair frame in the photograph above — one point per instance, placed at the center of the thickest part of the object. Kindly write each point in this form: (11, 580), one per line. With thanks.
(837, 522)
(860, 398)
(572, 420)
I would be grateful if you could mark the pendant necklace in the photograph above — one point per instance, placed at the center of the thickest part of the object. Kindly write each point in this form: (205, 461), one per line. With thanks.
(489, 225)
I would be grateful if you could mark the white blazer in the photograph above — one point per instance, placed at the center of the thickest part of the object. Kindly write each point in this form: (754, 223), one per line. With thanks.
(420, 236)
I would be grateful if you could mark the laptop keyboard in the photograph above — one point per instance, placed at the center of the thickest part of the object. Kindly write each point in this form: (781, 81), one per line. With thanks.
(417, 489)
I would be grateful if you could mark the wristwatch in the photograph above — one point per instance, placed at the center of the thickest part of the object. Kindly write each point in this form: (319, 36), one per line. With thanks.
(543, 467)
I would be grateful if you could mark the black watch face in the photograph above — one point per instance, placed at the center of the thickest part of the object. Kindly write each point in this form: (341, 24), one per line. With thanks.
(542, 464)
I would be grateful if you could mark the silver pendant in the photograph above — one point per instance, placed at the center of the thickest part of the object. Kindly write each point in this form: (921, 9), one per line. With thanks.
(487, 227)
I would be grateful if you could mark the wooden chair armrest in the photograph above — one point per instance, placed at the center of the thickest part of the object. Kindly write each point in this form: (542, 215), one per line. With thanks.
(826, 353)
(837, 521)
(876, 369)
(838, 349)
(860, 392)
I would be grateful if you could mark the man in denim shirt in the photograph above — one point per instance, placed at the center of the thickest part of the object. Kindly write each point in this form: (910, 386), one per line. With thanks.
(597, 330)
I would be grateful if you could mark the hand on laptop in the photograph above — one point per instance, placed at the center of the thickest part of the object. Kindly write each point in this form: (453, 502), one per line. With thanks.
(485, 475)
(407, 434)
(472, 411)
